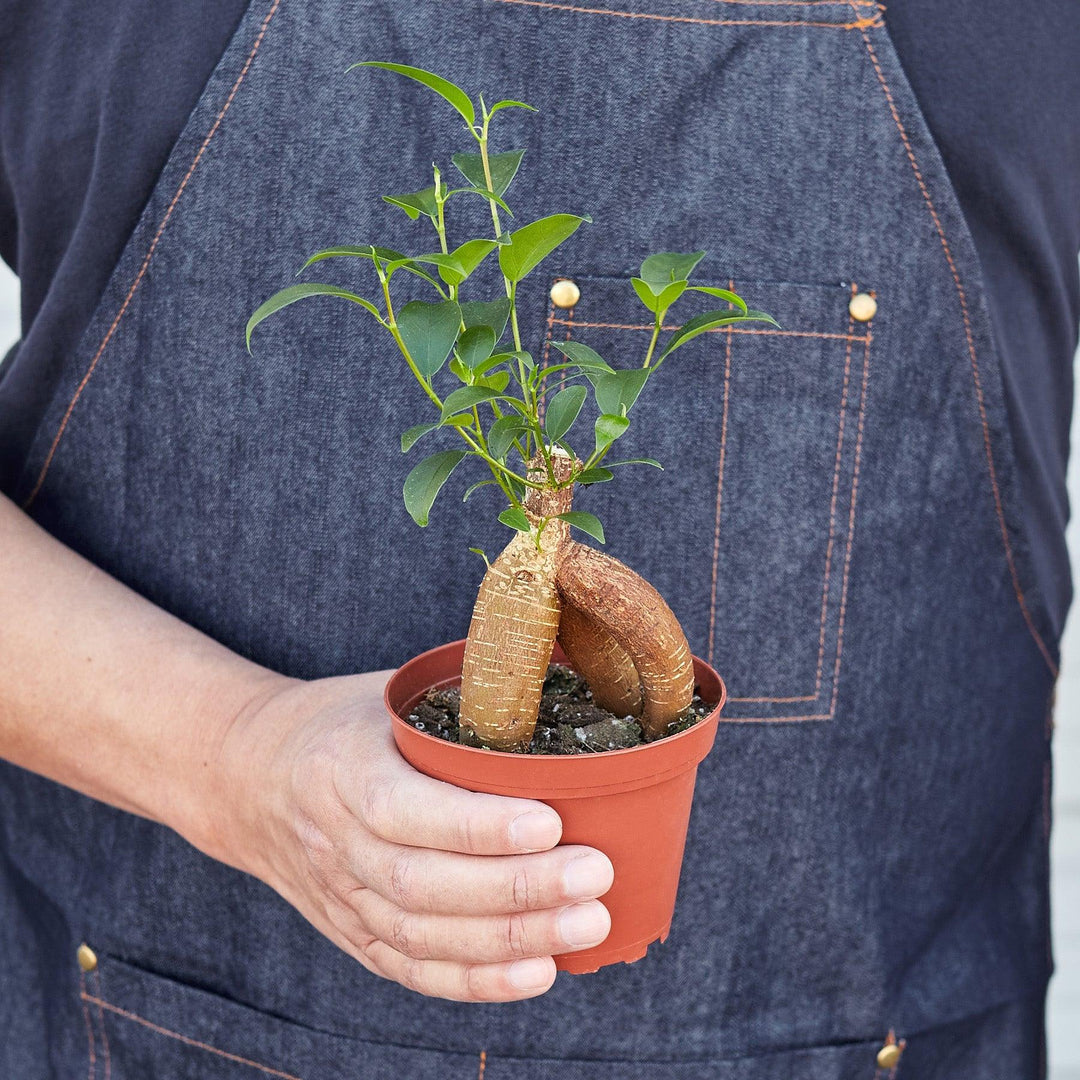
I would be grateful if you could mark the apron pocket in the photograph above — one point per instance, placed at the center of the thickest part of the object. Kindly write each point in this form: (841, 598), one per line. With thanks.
(141, 1025)
(748, 532)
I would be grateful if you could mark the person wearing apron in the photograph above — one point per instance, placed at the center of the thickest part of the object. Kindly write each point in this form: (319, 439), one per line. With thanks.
(864, 892)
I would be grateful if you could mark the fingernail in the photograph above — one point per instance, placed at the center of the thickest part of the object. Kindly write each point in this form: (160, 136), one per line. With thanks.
(587, 876)
(537, 830)
(584, 924)
(530, 974)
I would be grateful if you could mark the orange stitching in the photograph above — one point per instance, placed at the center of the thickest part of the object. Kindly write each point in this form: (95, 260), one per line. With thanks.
(807, 3)
(832, 535)
(89, 1027)
(483, 1064)
(847, 569)
(184, 1039)
(1010, 559)
(859, 24)
(104, 1033)
(720, 330)
(720, 488)
(773, 719)
(851, 532)
(146, 261)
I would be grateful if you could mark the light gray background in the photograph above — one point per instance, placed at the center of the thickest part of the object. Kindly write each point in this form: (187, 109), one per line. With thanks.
(1065, 988)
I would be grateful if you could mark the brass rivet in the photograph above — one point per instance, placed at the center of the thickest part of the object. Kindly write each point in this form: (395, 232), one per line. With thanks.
(888, 1057)
(863, 307)
(565, 293)
(86, 956)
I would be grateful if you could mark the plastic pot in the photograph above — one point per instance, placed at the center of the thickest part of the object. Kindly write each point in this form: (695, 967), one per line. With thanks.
(633, 805)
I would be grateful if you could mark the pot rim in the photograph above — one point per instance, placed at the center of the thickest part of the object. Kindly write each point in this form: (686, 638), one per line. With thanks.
(560, 775)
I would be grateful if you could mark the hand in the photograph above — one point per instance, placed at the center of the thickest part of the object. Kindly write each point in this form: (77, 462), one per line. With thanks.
(450, 893)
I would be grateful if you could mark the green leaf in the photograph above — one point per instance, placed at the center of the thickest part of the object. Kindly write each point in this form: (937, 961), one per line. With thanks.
(582, 355)
(480, 551)
(596, 475)
(390, 259)
(661, 269)
(510, 105)
(493, 313)
(645, 293)
(609, 428)
(443, 87)
(516, 519)
(409, 438)
(429, 332)
(587, 523)
(472, 253)
(616, 391)
(710, 320)
(637, 461)
(425, 480)
(503, 433)
(658, 300)
(532, 243)
(474, 487)
(415, 203)
(460, 370)
(562, 410)
(300, 292)
(465, 397)
(503, 167)
(475, 345)
(722, 294)
(498, 382)
(368, 251)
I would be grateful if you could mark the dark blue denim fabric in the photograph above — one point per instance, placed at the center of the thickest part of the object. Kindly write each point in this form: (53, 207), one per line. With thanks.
(836, 529)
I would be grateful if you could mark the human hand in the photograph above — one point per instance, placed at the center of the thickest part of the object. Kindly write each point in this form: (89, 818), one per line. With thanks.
(450, 893)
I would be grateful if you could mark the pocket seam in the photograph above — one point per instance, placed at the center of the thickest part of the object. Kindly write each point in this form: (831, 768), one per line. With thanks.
(125, 1014)
(145, 263)
(970, 339)
(569, 323)
(860, 22)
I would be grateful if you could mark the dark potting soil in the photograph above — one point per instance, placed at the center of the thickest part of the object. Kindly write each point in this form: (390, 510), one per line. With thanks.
(568, 722)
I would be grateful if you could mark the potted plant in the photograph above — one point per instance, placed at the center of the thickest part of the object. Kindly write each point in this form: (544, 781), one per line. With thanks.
(628, 792)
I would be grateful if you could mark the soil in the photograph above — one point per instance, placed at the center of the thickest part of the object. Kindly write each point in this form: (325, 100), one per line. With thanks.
(568, 723)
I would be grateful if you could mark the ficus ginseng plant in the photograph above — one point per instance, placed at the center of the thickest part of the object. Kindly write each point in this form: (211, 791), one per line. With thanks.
(503, 409)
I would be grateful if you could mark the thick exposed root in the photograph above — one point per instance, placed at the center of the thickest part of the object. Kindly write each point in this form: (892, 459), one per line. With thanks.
(602, 661)
(513, 627)
(509, 648)
(631, 611)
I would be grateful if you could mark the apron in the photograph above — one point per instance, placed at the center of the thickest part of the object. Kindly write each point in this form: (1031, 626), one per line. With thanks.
(836, 528)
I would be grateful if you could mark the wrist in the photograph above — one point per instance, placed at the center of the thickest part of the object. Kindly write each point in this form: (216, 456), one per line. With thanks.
(225, 766)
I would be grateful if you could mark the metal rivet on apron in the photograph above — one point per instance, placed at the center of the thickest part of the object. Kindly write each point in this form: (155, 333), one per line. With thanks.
(86, 956)
(863, 307)
(888, 1057)
(565, 293)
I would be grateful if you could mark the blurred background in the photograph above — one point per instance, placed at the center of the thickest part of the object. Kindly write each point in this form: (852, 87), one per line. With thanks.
(1065, 987)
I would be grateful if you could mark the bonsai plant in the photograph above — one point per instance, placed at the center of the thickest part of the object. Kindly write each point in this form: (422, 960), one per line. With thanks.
(614, 628)
(513, 418)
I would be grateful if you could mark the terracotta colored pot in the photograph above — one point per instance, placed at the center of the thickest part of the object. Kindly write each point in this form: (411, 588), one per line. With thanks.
(634, 805)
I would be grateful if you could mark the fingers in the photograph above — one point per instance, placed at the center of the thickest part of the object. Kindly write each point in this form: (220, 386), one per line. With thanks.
(474, 939)
(406, 807)
(513, 980)
(422, 880)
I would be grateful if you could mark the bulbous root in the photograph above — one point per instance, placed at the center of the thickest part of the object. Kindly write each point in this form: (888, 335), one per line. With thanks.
(625, 606)
(513, 625)
(509, 646)
(615, 628)
(601, 661)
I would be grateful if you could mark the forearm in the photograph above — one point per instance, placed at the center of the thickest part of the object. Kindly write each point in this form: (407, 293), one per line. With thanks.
(106, 693)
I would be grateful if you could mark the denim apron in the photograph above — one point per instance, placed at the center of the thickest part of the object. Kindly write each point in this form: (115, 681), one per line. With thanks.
(864, 893)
